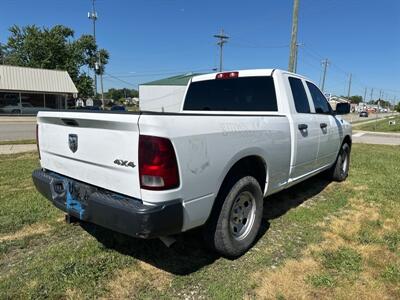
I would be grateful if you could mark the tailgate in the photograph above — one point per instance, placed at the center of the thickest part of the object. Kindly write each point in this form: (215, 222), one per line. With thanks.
(97, 148)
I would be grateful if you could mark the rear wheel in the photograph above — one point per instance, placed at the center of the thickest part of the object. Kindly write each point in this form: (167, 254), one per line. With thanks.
(232, 230)
(340, 169)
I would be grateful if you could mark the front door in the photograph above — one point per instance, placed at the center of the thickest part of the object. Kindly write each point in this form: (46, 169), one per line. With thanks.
(305, 131)
(329, 128)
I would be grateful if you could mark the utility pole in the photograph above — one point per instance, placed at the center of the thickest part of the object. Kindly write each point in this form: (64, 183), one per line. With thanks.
(293, 42)
(93, 16)
(222, 39)
(372, 93)
(365, 95)
(325, 63)
(297, 55)
(98, 67)
(348, 91)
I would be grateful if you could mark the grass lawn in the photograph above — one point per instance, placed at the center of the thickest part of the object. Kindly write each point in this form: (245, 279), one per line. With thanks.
(319, 240)
(381, 125)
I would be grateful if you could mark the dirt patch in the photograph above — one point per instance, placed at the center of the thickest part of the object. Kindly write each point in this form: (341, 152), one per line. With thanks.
(26, 231)
(124, 284)
(287, 281)
(73, 294)
(160, 279)
(361, 188)
(321, 275)
(127, 282)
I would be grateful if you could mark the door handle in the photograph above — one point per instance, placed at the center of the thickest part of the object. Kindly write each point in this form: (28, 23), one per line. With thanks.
(303, 126)
(323, 125)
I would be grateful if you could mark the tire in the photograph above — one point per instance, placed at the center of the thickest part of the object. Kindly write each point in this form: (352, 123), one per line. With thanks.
(340, 170)
(234, 223)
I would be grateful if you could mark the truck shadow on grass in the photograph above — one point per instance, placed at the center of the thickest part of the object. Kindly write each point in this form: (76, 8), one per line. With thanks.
(189, 253)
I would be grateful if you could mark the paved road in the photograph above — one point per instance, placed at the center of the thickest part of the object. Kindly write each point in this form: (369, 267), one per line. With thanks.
(354, 117)
(12, 131)
(366, 137)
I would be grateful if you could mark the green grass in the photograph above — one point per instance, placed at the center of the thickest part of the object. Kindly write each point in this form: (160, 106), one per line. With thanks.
(344, 261)
(18, 142)
(322, 280)
(392, 274)
(381, 125)
(82, 262)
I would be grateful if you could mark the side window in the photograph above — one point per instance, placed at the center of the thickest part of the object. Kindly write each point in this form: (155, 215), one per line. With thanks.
(299, 95)
(321, 104)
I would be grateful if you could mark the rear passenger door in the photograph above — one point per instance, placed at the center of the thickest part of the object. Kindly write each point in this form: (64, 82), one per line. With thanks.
(329, 128)
(306, 131)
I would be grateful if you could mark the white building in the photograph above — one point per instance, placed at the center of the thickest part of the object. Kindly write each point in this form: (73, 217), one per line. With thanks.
(164, 95)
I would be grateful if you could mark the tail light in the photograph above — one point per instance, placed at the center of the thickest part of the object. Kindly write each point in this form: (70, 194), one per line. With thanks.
(227, 75)
(37, 139)
(158, 168)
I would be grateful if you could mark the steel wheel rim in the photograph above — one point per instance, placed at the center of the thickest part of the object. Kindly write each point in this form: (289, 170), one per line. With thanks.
(242, 215)
(345, 161)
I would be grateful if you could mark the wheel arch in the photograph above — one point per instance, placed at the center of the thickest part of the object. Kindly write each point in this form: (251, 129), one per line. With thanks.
(251, 164)
(347, 139)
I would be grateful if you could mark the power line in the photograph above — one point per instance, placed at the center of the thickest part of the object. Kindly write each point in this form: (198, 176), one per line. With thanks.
(124, 81)
(245, 44)
(160, 74)
(316, 56)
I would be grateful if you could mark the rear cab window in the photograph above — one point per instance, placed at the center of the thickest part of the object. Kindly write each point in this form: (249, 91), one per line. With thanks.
(254, 93)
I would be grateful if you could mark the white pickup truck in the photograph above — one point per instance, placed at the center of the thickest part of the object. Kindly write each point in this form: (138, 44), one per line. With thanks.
(240, 136)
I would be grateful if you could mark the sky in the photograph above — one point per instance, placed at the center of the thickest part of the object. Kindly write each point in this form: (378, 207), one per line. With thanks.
(151, 39)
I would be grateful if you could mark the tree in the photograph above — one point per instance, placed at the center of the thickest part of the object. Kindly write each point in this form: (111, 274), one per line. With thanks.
(55, 48)
(397, 107)
(2, 54)
(355, 99)
(117, 94)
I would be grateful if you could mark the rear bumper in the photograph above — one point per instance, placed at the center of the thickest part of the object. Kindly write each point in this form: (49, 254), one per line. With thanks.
(116, 212)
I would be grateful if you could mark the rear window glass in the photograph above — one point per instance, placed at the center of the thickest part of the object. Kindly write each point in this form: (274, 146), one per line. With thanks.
(235, 94)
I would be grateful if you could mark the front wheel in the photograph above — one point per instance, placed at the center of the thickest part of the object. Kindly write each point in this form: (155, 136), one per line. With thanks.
(340, 169)
(233, 230)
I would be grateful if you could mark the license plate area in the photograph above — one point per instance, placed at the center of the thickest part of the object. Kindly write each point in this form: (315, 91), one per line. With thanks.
(77, 197)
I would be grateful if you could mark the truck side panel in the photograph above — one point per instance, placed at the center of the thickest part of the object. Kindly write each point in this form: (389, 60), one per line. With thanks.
(207, 146)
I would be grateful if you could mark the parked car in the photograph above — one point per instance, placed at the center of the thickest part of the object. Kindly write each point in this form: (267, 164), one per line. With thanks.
(118, 108)
(363, 114)
(90, 108)
(240, 136)
(23, 108)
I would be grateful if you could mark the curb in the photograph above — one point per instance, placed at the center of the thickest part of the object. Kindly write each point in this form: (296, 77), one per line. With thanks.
(388, 134)
(18, 148)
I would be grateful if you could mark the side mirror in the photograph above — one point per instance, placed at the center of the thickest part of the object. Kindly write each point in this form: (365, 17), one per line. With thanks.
(342, 108)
